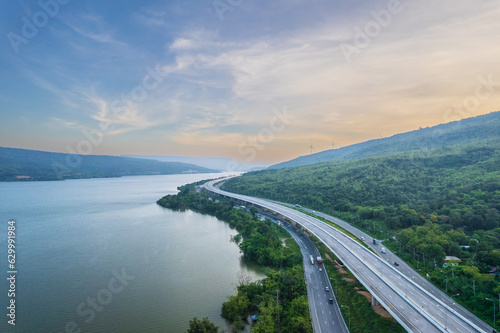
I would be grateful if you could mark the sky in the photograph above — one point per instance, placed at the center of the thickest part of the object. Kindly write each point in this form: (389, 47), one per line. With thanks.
(252, 80)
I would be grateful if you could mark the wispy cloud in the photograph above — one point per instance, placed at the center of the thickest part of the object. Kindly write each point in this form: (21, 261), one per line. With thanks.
(413, 72)
(65, 123)
(222, 81)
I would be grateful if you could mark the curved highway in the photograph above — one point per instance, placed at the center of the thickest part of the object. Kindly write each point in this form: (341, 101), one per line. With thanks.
(326, 317)
(405, 269)
(415, 308)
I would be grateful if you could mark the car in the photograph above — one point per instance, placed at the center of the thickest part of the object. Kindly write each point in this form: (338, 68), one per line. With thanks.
(327, 289)
(321, 269)
(330, 300)
(396, 263)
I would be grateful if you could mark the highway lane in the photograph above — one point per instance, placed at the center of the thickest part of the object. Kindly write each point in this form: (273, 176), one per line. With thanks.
(405, 269)
(326, 317)
(415, 308)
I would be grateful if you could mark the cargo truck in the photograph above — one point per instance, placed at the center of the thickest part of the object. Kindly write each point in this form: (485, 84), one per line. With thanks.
(318, 259)
(311, 258)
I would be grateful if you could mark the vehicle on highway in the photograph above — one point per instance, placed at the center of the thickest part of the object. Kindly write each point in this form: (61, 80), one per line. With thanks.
(330, 300)
(321, 269)
(383, 250)
(311, 258)
(319, 260)
(327, 289)
(298, 206)
(396, 263)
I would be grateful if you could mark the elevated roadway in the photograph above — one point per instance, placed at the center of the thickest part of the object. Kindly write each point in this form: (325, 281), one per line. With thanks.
(326, 317)
(414, 307)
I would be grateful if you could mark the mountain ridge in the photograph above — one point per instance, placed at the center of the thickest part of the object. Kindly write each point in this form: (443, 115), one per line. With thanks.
(18, 164)
(439, 136)
(218, 163)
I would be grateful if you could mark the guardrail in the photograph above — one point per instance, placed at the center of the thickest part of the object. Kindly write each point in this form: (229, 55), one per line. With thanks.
(392, 286)
(314, 221)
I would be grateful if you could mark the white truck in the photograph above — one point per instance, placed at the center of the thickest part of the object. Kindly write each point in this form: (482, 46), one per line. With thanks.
(311, 258)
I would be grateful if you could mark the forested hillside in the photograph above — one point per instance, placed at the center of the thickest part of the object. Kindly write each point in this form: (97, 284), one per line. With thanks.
(480, 130)
(455, 189)
(23, 164)
(431, 204)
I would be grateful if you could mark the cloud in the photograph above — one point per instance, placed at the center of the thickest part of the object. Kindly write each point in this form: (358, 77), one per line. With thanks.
(412, 71)
(222, 81)
(65, 123)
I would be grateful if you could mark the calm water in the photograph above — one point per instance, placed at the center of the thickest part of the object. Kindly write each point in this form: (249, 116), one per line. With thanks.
(100, 255)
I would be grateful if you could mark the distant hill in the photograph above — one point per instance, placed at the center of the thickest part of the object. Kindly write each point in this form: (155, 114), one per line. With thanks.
(218, 163)
(479, 130)
(23, 164)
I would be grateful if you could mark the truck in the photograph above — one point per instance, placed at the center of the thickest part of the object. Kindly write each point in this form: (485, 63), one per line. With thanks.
(318, 259)
(311, 258)
(375, 241)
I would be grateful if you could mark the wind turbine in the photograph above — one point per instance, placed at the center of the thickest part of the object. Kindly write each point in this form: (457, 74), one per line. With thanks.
(311, 147)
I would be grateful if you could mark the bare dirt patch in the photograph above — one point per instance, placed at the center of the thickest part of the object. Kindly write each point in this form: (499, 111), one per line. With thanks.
(366, 294)
(339, 268)
(351, 281)
(378, 309)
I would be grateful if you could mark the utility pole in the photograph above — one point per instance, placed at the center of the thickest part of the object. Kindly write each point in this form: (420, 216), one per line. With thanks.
(494, 310)
(348, 308)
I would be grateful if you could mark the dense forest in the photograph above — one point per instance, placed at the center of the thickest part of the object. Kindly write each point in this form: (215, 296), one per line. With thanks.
(429, 204)
(260, 242)
(29, 165)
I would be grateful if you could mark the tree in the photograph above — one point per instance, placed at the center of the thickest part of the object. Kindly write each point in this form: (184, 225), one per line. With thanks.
(202, 326)
(236, 308)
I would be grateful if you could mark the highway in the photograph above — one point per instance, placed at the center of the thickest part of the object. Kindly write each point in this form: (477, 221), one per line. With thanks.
(415, 308)
(326, 317)
(405, 269)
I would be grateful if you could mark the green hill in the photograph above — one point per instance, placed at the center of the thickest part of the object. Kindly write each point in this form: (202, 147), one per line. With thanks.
(426, 203)
(480, 130)
(23, 164)
(460, 186)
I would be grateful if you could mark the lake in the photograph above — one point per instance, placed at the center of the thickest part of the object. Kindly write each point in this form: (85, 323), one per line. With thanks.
(99, 255)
